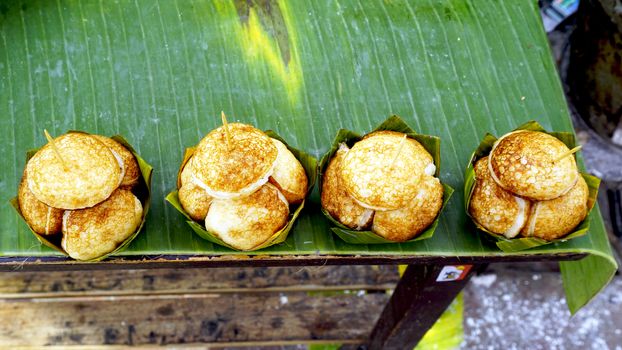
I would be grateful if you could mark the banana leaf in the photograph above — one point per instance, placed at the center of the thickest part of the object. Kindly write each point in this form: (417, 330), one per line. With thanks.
(448, 331)
(522, 243)
(160, 72)
(142, 191)
(432, 144)
(308, 162)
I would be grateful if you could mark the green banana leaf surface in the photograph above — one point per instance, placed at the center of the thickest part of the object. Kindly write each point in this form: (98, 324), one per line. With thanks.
(160, 72)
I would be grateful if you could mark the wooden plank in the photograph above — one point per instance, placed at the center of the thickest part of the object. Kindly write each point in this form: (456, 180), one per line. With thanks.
(207, 318)
(260, 345)
(163, 281)
(191, 261)
(417, 302)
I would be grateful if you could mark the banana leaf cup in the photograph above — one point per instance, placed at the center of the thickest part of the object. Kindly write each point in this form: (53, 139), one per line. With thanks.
(523, 243)
(142, 191)
(308, 162)
(393, 123)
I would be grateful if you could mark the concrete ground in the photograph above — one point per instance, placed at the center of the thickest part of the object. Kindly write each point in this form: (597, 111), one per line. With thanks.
(523, 307)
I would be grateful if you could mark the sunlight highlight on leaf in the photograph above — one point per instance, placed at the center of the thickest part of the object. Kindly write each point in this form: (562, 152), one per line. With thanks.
(267, 37)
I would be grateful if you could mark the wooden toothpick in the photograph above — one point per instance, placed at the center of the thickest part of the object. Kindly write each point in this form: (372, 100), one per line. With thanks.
(227, 133)
(567, 153)
(56, 151)
(399, 150)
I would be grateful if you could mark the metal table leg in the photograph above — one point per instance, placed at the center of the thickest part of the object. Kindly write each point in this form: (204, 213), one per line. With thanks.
(419, 299)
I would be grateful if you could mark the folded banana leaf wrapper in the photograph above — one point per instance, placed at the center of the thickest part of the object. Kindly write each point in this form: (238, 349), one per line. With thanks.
(432, 144)
(522, 243)
(142, 191)
(308, 162)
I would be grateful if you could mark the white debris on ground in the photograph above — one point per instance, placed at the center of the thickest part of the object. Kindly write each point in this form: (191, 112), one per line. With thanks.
(527, 310)
(484, 280)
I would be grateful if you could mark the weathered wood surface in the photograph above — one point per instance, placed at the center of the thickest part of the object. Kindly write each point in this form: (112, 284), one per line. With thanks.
(192, 307)
(128, 282)
(262, 345)
(197, 318)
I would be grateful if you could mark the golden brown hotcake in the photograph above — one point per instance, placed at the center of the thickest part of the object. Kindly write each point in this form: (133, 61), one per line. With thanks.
(193, 198)
(383, 170)
(92, 232)
(130, 165)
(556, 218)
(247, 222)
(237, 169)
(496, 209)
(337, 202)
(289, 176)
(42, 218)
(406, 223)
(89, 174)
(526, 163)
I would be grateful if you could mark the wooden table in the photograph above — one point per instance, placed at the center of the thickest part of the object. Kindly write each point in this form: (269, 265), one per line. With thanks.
(417, 301)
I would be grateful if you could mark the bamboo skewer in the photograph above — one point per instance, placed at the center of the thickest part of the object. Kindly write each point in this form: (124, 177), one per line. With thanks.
(56, 150)
(227, 132)
(399, 150)
(567, 153)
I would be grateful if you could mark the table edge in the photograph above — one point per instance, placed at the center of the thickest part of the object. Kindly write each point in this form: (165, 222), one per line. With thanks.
(210, 261)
